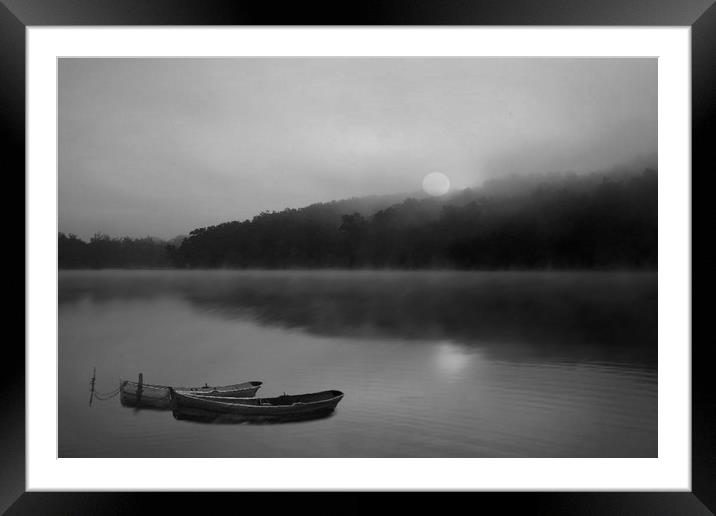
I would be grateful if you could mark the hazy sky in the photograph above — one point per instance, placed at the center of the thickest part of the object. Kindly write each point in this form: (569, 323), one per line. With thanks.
(162, 146)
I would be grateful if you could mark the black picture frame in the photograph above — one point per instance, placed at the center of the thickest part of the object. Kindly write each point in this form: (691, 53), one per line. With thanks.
(700, 15)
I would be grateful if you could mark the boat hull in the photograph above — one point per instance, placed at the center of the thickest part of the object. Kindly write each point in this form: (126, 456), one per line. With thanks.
(208, 416)
(280, 408)
(151, 396)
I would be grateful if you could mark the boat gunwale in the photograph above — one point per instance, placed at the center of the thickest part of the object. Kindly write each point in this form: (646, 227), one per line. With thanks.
(204, 399)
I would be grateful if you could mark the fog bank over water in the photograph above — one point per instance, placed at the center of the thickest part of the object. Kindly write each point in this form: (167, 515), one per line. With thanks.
(162, 146)
(613, 314)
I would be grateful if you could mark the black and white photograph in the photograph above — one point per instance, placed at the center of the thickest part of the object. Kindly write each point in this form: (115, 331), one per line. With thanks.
(377, 257)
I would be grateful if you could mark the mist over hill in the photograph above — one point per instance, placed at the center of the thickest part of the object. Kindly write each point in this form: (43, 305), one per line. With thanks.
(558, 220)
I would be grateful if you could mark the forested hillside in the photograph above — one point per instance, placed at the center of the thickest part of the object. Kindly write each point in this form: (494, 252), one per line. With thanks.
(551, 221)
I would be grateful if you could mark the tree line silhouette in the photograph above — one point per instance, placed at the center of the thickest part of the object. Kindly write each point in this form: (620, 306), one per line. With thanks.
(102, 251)
(558, 221)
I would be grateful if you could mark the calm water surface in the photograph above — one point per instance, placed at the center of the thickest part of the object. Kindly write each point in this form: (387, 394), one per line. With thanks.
(433, 364)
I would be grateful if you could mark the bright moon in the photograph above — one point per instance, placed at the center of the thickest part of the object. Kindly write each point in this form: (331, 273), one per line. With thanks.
(436, 184)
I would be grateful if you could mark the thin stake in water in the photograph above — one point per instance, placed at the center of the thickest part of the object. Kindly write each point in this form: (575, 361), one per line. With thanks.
(94, 375)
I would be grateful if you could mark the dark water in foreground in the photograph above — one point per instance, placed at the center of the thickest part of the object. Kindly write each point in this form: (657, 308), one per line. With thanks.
(444, 364)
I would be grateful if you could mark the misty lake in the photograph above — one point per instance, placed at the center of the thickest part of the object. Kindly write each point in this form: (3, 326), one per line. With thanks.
(432, 364)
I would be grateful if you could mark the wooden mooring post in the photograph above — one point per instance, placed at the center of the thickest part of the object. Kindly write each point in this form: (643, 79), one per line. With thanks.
(94, 376)
(139, 388)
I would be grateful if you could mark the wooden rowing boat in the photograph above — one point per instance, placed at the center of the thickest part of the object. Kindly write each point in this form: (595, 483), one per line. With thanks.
(161, 396)
(297, 406)
(239, 390)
